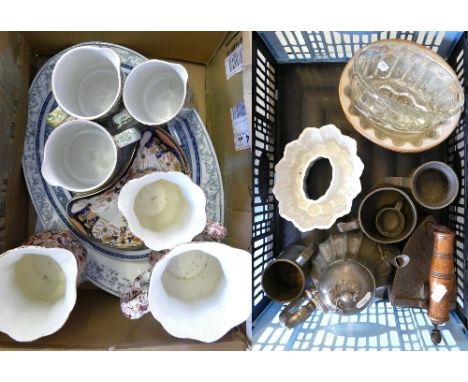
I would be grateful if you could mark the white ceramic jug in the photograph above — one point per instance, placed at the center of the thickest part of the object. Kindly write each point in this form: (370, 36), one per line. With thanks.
(38, 285)
(163, 209)
(201, 290)
(87, 82)
(82, 156)
(155, 91)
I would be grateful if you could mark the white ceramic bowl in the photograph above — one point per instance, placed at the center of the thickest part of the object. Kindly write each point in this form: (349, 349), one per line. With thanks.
(299, 156)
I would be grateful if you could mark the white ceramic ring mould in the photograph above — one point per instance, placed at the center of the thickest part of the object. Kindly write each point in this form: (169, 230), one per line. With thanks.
(299, 158)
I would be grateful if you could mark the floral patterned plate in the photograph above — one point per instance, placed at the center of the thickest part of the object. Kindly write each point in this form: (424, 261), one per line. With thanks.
(111, 268)
(97, 216)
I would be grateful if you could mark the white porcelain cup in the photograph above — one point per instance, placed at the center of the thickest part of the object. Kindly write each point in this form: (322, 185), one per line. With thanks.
(154, 91)
(201, 290)
(38, 284)
(87, 82)
(81, 155)
(163, 209)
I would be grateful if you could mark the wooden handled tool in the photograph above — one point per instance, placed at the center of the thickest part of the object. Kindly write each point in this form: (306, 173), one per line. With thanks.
(441, 279)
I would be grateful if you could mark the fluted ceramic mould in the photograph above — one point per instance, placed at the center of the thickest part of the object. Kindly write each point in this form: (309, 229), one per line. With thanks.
(299, 156)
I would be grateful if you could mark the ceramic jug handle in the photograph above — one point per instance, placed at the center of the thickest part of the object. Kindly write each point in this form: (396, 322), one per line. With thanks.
(349, 226)
(213, 231)
(298, 310)
(122, 118)
(134, 300)
(398, 181)
(127, 137)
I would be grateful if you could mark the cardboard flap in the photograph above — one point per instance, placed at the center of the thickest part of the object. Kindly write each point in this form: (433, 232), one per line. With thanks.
(196, 47)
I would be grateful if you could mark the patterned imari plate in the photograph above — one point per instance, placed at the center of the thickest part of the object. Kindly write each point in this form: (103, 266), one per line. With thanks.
(97, 216)
(110, 268)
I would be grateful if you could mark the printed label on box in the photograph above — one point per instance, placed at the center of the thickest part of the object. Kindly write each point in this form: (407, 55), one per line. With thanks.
(233, 62)
(240, 127)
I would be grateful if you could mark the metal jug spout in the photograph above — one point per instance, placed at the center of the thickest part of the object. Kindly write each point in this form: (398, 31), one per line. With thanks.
(300, 309)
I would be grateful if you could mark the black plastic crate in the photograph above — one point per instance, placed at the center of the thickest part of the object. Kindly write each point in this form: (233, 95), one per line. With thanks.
(288, 65)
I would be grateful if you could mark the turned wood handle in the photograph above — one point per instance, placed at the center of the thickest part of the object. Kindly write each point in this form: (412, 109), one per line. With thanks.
(441, 276)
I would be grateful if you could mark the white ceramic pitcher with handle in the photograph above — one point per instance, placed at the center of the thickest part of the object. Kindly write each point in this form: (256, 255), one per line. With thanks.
(87, 82)
(155, 91)
(163, 209)
(38, 285)
(198, 290)
(82, 156)
(201, 290)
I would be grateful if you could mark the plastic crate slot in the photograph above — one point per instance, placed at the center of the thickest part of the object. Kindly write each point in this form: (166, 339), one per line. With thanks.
(315, 46)
(429, 38)
(263, 163)
(258, 299)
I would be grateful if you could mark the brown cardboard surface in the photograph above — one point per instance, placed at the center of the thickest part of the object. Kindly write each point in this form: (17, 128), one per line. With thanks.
(196, 84)
(96, 323)
(247, 74)
(222, 94)
(196, 47)
(14, 83)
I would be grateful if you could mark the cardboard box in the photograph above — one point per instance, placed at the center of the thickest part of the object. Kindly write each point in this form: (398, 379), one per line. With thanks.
(96, 322)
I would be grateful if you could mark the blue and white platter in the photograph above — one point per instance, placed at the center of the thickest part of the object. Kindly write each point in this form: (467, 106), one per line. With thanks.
(111, 269)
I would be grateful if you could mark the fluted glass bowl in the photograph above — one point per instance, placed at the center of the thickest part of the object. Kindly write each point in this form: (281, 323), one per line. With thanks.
(404, 87)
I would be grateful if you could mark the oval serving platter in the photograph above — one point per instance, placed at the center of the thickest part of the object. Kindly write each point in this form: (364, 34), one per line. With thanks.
(110, 268)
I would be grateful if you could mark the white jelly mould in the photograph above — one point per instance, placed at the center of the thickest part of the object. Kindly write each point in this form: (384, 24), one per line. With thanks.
(163, 209)
(201, 290)
(299, 156)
